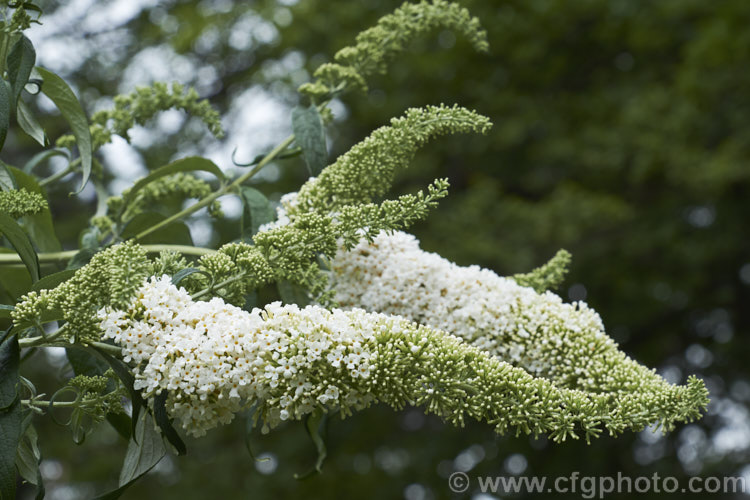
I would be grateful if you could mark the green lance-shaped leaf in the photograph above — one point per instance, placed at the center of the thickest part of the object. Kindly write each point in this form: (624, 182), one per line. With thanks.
(8, 372)
(5, 104)
(144, 452)
(10, 416)
(52, 280)
(313, 424)
(29, 124)
(189, 164)
(5, 311)
(11, 230)
(28, 456)
(256, 211)
(310, 136)
(21, 60)
(60, 93)
(127, 379)
(165, 423)
(7, 181)
(291, 293)
(184, 273)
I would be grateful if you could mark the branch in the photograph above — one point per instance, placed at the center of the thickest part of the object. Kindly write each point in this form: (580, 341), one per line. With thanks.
(69, 254)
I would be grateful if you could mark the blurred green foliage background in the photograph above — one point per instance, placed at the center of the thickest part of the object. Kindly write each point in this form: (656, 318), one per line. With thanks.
(622, 133)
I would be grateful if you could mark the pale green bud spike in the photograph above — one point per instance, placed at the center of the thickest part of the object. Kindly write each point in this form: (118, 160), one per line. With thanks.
(548, 276)
(138, 107)
(375, 47)
(110, 278)
(366, 171)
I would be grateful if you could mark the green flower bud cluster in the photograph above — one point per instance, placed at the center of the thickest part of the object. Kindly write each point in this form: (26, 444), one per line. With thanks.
(283, 253)
(168, 262)
(19, 202)
(366, 171)
(377, 46)
(99, 394)
(548, 276)
(138, 107)
(179, 185)
(368, 219)
(21, 20)
(110, 279)
(291, 252)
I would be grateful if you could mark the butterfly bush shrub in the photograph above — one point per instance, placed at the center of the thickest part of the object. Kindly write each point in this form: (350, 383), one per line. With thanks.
(166, 341)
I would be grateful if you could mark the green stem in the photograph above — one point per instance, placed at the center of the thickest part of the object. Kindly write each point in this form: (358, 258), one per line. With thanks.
(8, 258)
(46, 404)
(4, 51)
(220, 192)
(62, 173)
(218, 285)
(42, 341)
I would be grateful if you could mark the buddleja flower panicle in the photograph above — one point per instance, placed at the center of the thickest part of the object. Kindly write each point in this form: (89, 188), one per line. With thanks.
(216, 359)
(564, 343)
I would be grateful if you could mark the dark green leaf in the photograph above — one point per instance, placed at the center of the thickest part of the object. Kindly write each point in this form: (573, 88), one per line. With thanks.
(314, 424)
(21, 60)
(39, 226)
(144, 452)
(28, 455)
(121, 423)
(292, 294)
(29, 124)
(10, 415)
(85, 363)
(251, 301)
(184, 273)
(60, 93)
(249, 419)
(190, 164)
(256, 211)
(127, 379)
(5, 310)
(175, 233)
(90, 238)
(5, 98)
(11, 230)
(310, 136)
(7, 181)
(9, 362)
(81, 258)
(51, 281)
(10, 434)
(165, 424)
